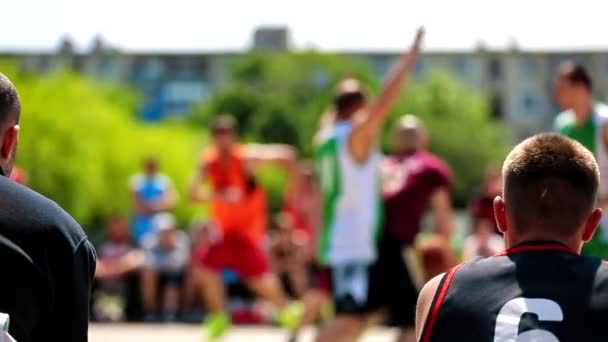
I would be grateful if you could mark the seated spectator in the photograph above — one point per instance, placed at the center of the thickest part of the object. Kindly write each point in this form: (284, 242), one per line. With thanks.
(152, 194)
(482, 206)
(288, 256)
(166, 256)
(117, 261)
(483, 242)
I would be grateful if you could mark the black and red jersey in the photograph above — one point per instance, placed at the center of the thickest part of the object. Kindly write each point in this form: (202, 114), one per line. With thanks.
(535, 291)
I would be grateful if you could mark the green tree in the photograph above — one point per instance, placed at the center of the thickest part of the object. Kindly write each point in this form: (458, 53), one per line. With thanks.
(80, 144)
(280, 98)
(460, 126)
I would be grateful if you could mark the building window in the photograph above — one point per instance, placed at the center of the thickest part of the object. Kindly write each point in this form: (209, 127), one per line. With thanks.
(529, 104)
(495, 69)
(461, 65)
(496, 106)
(528, 67)
(419, 68)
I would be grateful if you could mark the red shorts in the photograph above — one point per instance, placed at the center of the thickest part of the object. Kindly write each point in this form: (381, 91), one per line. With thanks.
(237, 254)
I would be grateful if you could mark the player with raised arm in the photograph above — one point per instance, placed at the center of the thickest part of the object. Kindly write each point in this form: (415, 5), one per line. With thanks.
(348, 160)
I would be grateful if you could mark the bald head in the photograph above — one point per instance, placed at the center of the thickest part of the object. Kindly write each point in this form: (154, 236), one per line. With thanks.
(409, 134)
(10, 104)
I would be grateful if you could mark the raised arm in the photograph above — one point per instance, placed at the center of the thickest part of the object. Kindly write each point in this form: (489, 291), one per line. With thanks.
(364, 135)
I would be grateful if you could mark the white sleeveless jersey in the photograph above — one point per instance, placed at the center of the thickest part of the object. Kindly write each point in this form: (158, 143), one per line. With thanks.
(352, 209)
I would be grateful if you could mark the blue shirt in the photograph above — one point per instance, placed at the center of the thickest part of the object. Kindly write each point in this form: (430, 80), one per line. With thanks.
(149, 189)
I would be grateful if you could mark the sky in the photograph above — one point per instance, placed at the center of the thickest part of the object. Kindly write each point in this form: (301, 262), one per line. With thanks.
(332, 25)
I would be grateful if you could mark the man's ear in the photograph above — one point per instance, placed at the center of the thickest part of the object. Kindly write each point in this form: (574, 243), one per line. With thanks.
(591, 224)
(500, 214)
(9, 141)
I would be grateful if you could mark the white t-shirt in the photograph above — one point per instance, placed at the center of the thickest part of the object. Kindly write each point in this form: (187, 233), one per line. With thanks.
(472, 246)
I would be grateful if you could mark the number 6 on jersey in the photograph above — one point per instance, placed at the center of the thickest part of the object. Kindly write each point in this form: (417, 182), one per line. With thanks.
(507, 322)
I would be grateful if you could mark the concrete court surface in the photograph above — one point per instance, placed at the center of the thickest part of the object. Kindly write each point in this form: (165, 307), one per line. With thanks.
(191, 333)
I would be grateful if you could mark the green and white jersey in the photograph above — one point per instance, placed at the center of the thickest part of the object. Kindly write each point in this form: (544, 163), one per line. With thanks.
(352, 211)
(589, 134)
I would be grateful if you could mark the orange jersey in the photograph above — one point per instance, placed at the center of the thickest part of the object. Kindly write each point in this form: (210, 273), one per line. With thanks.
(246, 217)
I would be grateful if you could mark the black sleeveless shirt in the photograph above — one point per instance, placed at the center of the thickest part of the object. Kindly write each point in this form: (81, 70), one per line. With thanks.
(536, 291)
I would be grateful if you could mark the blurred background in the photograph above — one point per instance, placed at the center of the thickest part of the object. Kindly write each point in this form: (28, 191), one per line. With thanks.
(108, 85)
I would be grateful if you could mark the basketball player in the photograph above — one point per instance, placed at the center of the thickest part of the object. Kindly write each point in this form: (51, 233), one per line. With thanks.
(239, 208)
(540, 288)
(349, 159)
(585, 121)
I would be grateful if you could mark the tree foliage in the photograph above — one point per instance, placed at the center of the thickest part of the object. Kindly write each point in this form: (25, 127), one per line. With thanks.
(80, 144)
(280, 98)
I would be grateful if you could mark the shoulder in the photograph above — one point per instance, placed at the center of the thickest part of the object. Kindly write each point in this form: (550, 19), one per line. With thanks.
(601, 112)
(429, 290)
(209, 155)
(136, 181)
(435, 162)
(163, 179)
(325, 134)
(34, 216)
(563, 120)
(425, 301)
(434, 165)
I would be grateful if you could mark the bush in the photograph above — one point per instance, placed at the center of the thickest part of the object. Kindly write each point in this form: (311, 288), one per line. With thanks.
(80, 144)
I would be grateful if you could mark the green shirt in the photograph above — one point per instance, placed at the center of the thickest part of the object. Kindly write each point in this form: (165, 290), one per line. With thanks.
(585, 133)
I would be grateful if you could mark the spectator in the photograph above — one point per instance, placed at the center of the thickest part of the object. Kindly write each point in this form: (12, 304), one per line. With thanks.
(302, 204)
(482, 206)
(153, 193)
(483, 242)
(166, 255)
(288, 256)
(118, 259)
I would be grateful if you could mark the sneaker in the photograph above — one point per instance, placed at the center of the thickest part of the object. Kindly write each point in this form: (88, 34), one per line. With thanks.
(216, 325)
(290, 317)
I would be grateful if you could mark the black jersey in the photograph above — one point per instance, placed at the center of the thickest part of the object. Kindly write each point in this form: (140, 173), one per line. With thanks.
(47, 268)
(535, 291)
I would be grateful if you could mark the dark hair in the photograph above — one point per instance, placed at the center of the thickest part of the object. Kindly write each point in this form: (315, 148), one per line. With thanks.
(550, 184)
(576, 73)
(346, 101)
(10, 104)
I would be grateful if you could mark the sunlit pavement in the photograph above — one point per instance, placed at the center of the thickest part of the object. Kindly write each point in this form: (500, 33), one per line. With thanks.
(183, 333)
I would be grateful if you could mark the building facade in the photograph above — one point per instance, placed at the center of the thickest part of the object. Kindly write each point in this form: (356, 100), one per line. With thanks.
(519, 83)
